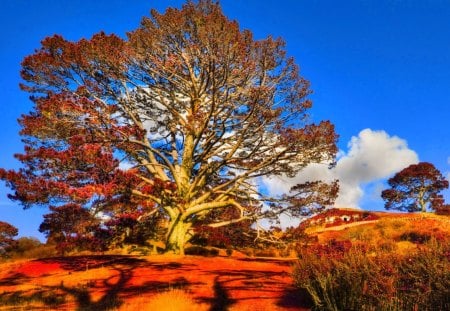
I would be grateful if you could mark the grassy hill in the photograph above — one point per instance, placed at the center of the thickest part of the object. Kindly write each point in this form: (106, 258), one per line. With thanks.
(377, 249)
(395, 262)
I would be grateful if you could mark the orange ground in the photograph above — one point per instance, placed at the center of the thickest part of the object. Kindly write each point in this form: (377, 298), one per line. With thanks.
(114, 282)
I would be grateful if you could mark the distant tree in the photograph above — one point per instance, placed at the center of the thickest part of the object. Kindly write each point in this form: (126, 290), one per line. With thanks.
(415, 188)
(441, 209)
(25, 244)
(69, 226)
(7, 234)
(30, 247)
(194, 108)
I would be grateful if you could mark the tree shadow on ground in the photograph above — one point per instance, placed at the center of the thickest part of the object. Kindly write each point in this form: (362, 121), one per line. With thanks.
(101, 294)
(222, 299)
(50, 299)
(117, 292)
(260, 285)
(80, 263)
(108, 301)
(14, 279)
(116, 288)
(85, 263)
(283, 262)
(295, 298)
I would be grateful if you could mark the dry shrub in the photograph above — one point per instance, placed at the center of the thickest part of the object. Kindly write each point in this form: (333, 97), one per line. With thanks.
(201, 251)
(173, 300)
(269, 252)
(361, 233)
(423, 280)
(415, 237)
(387, 246)
(394, 264)
(30, 248)
(339, 277)
(249, 252)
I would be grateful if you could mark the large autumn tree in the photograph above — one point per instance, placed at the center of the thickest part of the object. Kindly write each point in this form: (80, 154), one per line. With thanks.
(179, 119)
(416, 188)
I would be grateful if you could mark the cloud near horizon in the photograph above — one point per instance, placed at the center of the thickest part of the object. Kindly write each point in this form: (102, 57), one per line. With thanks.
(371, 157)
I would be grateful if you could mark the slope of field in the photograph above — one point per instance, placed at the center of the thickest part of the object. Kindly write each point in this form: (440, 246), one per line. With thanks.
(393, 228)
(133, 283)
(114, 282)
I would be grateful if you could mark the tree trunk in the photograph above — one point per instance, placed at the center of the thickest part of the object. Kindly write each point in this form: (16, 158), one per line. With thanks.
(421, 200)
(177, 236)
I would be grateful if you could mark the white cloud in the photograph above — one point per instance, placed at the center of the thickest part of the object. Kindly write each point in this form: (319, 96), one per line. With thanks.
(125, 165)
(371, 156)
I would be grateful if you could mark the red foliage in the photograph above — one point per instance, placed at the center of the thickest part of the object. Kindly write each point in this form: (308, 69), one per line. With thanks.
(69, 226)
(7, 234)
(333, 249)
(164, 101)
(443, 209)
(235, 235)
(35, 269)
(415, 188)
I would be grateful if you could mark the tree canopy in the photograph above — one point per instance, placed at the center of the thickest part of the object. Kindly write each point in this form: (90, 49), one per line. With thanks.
(178, 121)
(7, 234)
(415, 188)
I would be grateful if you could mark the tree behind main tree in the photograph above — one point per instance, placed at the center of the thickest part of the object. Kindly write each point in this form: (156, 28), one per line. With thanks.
(183, 116)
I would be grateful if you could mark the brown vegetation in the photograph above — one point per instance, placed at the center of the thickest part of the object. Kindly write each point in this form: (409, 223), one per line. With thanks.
(397, 263)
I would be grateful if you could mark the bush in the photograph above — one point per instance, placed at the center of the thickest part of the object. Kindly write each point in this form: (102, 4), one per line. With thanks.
(32, 248)
(249, 252)
(361, 233)
(424, 278)
(201, 251)
(443, 210)
(229, 252)
(415, 237)
(342, 277)
(42, 251)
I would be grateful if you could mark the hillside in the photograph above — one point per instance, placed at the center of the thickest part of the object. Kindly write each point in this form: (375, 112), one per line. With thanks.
(162, 282)
(396, 262)
(385, 227)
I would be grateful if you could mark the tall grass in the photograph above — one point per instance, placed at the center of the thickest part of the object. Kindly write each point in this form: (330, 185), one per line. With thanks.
(172, 300)
(372, 274)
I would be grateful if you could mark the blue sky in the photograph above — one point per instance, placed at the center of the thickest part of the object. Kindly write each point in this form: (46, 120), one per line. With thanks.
(379, 69)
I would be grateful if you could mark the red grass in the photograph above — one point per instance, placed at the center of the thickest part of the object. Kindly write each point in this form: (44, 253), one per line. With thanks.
(37, 268)
(233, 283)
